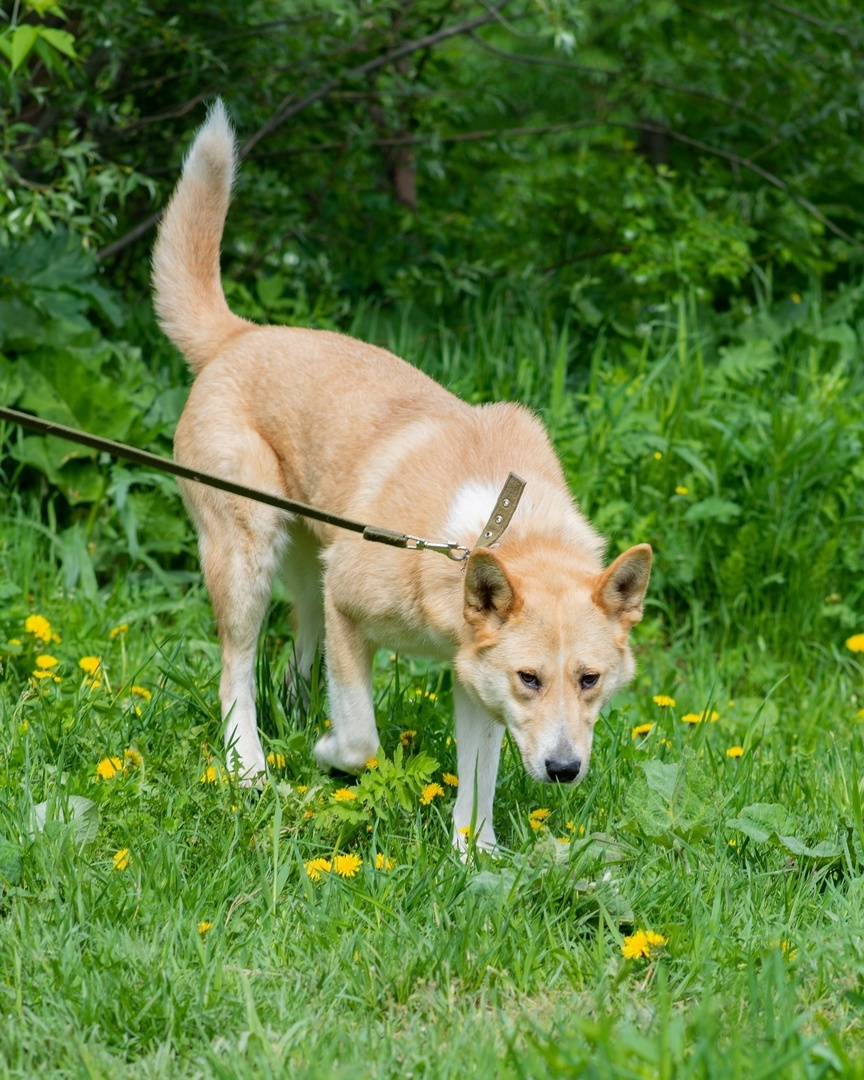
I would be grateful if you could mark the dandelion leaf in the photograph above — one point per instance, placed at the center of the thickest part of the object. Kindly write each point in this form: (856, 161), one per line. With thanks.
(10, 864)
(671, 801)
(775, 825)
(78, 813)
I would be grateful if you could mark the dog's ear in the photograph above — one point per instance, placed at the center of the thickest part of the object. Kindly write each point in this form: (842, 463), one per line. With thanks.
(620, 589)
(489, 592)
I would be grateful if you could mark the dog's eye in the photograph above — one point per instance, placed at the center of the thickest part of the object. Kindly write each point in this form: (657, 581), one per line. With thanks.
(588, 680)
(529, 679)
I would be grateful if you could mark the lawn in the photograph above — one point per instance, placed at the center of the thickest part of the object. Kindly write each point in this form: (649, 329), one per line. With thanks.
(694, 908)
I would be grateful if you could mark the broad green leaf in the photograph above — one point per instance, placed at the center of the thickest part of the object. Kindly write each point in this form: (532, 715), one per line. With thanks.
(23, 40)
(61, 40)
(671, 801)
(80, 813)
(713, 509)
(774, 824)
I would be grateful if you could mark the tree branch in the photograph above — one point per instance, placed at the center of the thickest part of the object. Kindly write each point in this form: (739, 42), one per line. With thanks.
(289, 107)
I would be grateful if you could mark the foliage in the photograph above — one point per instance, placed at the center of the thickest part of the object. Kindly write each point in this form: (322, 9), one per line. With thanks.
(616, 149)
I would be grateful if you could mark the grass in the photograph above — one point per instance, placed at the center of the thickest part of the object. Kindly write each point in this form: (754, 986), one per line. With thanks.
(212, 953)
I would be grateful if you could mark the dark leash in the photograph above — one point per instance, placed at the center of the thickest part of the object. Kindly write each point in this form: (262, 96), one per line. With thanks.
(498, 521)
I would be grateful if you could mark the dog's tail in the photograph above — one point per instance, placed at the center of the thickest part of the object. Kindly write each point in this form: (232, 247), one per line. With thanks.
(187, 285)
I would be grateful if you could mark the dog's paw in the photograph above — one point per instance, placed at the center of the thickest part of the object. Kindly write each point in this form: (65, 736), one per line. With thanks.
(464, 842)
(331, 754)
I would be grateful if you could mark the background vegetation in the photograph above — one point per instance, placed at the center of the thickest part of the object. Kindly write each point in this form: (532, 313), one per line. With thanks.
(645, 221)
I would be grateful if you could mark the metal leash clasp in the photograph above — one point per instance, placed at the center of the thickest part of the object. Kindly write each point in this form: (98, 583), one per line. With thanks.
(456, 552)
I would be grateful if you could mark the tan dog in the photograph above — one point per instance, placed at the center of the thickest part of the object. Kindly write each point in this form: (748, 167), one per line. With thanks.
(536, 628)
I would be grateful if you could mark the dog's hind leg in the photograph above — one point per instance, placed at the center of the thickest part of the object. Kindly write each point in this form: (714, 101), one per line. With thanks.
(302, 572)
(478, 747)
(353, 736)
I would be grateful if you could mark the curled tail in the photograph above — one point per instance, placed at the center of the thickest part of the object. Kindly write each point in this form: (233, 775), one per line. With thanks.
(187, 285)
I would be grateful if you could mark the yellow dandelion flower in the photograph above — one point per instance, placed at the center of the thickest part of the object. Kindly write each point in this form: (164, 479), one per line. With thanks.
(382, 863)
(570, 826)
(407, 737)
(682, 490)
(641, 943)
(658, 456)
(581, 830)
(465, 831)
(372, 763)
(204, 926)
(39, 627)
(860, 714)
(121, 859)
(664, 701)
(344, 795)
(450, 780)
(430, 792)
(316, 867)
(641, 729)
(90, 664)
(855, 643)
(308, 815)
(302, 789)
(123, 628)
(141, 691)
(795, 298)
(276, 760)
(347, 865)
(735, 751)
(785, 948)
(108, 766)
(665, 742)
(45, 661)
(42, 675)
(14, 641)
(133, 758)
(540, 814)
(209, 776)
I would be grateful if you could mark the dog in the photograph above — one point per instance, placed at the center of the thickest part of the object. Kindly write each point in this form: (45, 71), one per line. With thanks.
(535, 627)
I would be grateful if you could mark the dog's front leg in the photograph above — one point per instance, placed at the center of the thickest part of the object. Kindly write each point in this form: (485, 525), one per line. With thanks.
(478, 747)
(353, 736)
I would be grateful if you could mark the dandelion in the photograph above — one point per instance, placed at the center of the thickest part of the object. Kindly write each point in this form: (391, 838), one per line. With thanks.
(785, 947)
(382, 863)
(664, 701)
(347, 865)
(133, 758)
(372, 763)
(90, 664)
(123, 628)
(39, 627)
(795, 298)
(344, 795)
(276, 760)
(537, 817)
(209, 776)
(108, 766)
(430, 792)
(43, 675)
(658, 456)
(407, 737)
(641, 943)
(121, 859)
(697, 718)
(682, 490)
(46, 661)
(302, 789)
(316, 867)
(855, 643)
(641, 729)
(465, 831)
(141, 691)
(204, 926)
(450, 780)
(735, 751)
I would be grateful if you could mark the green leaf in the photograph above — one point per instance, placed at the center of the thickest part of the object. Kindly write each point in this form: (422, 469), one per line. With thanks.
(61, 40)
(671, 801)
(80, 813)
(713, 509)
(23, 40)
(774, 824)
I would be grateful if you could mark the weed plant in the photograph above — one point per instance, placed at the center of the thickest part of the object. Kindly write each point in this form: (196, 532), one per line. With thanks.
(695, 908)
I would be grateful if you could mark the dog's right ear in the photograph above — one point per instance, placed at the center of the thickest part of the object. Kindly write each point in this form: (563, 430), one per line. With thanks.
(489, 592)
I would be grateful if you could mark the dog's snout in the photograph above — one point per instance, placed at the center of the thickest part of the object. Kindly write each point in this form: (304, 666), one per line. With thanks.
(565, 772)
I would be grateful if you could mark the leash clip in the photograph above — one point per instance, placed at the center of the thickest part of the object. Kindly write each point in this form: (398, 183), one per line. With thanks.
(456, 552)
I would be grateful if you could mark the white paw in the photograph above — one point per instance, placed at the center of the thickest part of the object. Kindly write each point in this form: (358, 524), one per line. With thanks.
(464, 842)
(331, 754)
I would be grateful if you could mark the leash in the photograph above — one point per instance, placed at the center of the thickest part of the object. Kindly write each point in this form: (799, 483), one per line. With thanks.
(498, 521)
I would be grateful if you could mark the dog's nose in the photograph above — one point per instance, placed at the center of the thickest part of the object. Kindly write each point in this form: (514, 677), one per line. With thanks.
(563, 771)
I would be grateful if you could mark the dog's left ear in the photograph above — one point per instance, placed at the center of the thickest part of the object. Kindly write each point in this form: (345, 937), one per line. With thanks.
(620, 589)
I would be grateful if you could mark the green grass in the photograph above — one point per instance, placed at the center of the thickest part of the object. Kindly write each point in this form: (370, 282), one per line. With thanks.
(510, 966)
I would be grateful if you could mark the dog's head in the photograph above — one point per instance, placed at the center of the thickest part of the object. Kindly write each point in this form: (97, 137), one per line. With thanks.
(546, 647)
